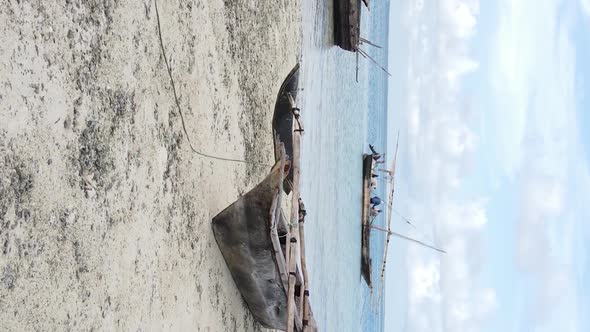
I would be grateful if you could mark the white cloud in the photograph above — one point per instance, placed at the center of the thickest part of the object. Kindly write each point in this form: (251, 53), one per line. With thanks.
(520, 47)
(424, 281)
(534, 72)
(585, 4)
(440, 142)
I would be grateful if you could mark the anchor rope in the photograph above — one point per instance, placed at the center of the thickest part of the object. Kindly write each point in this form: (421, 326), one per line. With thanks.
(176, 100)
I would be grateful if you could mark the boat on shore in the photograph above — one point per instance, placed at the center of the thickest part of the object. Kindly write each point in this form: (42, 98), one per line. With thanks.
(264, 247)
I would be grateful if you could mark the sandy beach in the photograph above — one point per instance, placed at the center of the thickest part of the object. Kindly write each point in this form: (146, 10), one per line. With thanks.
(105, 212)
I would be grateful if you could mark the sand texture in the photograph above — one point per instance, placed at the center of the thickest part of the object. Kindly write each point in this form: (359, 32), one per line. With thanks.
(105, 212)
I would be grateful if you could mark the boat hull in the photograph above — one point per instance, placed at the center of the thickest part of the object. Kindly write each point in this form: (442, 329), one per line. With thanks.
(366, 268)
(347, 20)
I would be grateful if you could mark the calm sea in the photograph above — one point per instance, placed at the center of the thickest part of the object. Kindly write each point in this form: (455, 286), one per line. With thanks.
(341, 117)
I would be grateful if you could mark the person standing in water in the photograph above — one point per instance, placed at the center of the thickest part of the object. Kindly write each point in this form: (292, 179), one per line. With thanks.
(375, 212)
(375, 201)
(373, 149)
(377, 157)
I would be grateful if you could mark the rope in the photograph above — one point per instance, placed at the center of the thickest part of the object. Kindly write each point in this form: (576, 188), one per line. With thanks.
(424, 235)
(180, 109)
(405, 219)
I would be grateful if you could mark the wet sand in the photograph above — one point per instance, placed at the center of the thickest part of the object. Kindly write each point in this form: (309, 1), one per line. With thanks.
(104, 210)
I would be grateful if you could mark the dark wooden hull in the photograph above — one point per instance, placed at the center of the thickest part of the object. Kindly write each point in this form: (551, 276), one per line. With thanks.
(347, 21)
(366, 269)
(283, 120)
(251, 233)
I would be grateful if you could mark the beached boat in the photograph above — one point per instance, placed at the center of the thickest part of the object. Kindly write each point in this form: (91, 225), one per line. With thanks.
(366, 269)
(347, 22)
(263, 249)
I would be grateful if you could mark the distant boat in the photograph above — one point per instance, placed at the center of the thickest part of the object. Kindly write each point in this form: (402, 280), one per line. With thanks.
(347, 25)
(366, 268)
(347, 22)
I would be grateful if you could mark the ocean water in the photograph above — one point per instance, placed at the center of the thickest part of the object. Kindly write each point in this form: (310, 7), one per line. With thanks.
(341, 117)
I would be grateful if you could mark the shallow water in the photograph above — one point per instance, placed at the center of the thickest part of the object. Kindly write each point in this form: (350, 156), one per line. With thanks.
(341, 117)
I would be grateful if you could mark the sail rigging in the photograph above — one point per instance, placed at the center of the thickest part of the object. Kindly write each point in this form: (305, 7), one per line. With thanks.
(391, 174)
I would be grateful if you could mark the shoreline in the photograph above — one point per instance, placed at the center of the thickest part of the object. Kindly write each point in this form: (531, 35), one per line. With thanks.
(106, 213)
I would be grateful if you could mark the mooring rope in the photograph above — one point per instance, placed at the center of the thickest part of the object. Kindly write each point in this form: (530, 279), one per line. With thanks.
(180, 109)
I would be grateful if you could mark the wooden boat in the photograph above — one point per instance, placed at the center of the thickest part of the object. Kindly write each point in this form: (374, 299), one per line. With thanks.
(366, 269)
(264, 250)
(347, 22)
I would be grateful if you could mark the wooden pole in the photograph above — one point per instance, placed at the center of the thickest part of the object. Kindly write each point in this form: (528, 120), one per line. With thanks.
(291, 291)
(293, 233)
(381, 229)
(408, 238)
(368, 42)
(275, 218)
(295, 165)
(293, 220)
(391, 173)
(366, 55)
(357, 66)
(305, 297)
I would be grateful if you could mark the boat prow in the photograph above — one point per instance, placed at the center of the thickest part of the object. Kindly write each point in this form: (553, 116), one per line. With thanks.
(283, 119)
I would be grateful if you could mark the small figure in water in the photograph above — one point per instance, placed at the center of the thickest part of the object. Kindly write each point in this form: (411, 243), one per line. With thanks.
(375, 201)
(376, 155)
(302, 211)
(373, 149)
(375, 212)
(374, 183)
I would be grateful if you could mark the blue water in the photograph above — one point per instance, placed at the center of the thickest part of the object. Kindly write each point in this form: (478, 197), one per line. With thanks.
(341, 117)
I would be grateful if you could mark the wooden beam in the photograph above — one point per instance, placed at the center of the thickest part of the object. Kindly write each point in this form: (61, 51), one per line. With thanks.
(275, 215)
(363, 40)
(305, 288)
(291, 290)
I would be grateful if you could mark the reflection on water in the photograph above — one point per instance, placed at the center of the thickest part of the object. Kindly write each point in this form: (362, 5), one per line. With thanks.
(341, 117)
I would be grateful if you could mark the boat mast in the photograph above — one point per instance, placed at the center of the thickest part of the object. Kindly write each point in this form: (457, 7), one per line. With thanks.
(408, 238)
(365, 41)
(389, 208)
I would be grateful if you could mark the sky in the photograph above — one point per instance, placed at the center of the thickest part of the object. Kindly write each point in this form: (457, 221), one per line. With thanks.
(491, 103)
